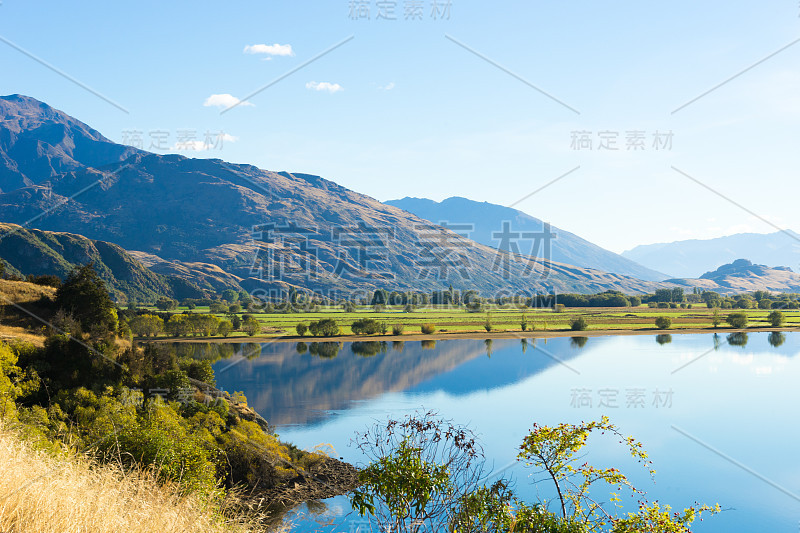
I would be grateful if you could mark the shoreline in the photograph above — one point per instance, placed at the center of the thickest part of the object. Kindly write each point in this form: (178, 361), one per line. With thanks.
(469, 335)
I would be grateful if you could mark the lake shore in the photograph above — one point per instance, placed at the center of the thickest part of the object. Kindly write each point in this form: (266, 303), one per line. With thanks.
(470, 335)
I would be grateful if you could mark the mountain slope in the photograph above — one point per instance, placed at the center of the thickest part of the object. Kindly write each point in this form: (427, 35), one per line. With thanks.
(487, 222)
(47, 253)
(268, 230)
(38, 142)
(690, 258)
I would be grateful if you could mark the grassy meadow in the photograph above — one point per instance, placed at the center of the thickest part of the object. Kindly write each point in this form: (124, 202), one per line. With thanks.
(455, 320)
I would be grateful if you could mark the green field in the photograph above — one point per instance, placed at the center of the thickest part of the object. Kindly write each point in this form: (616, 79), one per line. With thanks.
(458, 320)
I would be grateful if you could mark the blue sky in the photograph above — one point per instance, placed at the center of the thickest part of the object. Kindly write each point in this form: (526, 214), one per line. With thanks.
(403, 109)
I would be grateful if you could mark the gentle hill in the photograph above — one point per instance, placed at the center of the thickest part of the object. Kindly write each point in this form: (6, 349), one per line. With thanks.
(744, 276)
(487, 222)
(690, 258)
(272, 230)
(34, 252)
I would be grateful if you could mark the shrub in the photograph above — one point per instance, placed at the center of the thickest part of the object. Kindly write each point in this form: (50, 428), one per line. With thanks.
(383, 328)
(737, 320)
(559, 308)
(324, 328)
(524, 324)
(397, 329)
(488, 325)
(427, 329)
(301, 329)
(673, 305)
(578, 324)
(251, 326)
(663, 305)
(663, 322)
(775, 318)
(365, 326)
(652, 305)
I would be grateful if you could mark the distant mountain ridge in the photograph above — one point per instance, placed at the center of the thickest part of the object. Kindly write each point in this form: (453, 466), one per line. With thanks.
(487, 222)
(267, 231)
(690, 258)
(743, 275)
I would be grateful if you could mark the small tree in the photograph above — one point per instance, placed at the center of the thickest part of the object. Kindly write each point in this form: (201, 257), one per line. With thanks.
(166, 304)
(524, 324)
(419, 467)
(737, 320)
(301, 329)
(559, 308)
(224, 327)
(251, 326)
(716, 320)
(663, 322)
(397, 329)
(488, 325)
(776, 319)
(578, 324)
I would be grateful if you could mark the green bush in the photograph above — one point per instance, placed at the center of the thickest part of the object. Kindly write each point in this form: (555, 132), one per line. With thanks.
(397, 329)
(365, 326)
(737, 320)
(301, 329)
(559, 308)
(578, 324)
(662, 305)
(663, 322)
(776, 319)
(324, 328)
(427, 329)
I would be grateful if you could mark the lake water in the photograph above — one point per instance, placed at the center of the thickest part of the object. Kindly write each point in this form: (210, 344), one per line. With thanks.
(719, 419)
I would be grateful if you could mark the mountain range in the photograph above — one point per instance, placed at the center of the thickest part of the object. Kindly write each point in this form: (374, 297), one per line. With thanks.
(506, 228)
(238, 224)
(691, 258)
(172, 225)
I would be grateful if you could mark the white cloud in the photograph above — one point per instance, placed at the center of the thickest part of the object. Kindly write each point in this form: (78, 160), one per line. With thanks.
(324, 86)
(224, 100)
(388, 87)
(269, 49)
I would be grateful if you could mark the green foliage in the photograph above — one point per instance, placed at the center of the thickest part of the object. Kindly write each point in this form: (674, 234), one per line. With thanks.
(218, 307)
(365, 326)
(737, 320)
(230, 296)
(251, 326)
(419, 467)
(146, 325)
(324, 328)
(166, 304)
(578, 324)
(559, 308)
(524, 324)
(397, 329)
(301, 329)
(776, 318)
(488, 324)
(663, 322)
(84, 296)
(224, 328)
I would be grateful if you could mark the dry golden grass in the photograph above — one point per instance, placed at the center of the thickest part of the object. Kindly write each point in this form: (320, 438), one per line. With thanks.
(22, 292)
(42, 494)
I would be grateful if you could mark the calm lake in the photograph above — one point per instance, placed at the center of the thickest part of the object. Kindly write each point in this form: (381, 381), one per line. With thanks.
(718, 418)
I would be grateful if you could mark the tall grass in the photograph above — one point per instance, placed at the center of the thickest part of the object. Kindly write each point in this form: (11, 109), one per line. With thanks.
(40, 493)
